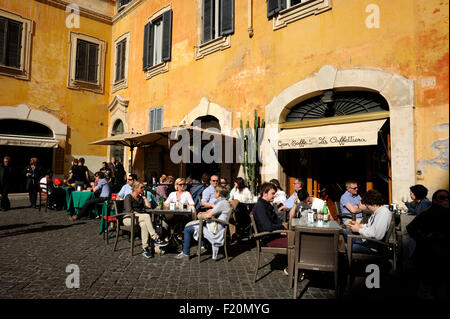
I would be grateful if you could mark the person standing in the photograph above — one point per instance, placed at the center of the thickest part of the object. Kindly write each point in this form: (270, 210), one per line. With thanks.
(118, 173)
(5, 182)
(33, 173)
(84, 171)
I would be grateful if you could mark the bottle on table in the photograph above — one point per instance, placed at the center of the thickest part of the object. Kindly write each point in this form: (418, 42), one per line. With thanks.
(326, 216)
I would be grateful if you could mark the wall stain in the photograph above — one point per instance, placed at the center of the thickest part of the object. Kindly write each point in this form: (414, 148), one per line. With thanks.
(441, 160)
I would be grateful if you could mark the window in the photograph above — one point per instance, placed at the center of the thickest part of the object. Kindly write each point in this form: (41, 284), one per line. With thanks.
(15, 45)
(158, 42)
(87, 62)
(217, 18)
(284, 12)
(121, 62)
(156, 119)
(121, 3)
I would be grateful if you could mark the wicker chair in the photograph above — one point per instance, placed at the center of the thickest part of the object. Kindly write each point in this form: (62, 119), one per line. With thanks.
(316, 249)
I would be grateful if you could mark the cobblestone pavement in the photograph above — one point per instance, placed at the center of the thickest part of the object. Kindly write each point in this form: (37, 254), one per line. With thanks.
(36, 247)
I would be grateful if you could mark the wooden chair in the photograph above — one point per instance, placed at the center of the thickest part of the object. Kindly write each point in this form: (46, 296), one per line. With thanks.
(338, 212)
(386, 246)
(225, 224)
(132, 229)
(316, 249)
(43, 192)
(260, 248)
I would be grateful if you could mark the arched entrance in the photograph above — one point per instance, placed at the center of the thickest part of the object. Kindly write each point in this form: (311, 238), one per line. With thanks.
(396, 90)
(117, 151)
(328, 165)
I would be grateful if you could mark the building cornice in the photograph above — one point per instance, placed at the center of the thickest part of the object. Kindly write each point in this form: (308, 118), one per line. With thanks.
(87, 13)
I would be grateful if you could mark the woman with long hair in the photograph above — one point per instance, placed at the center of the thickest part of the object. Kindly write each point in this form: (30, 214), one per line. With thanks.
(240, 191)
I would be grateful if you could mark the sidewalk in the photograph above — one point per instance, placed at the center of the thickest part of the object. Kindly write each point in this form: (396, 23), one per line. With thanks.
(36, 247)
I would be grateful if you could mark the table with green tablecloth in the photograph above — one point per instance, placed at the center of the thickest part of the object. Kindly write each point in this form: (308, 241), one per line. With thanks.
(108, 209)
(67, 191)
(77, 200)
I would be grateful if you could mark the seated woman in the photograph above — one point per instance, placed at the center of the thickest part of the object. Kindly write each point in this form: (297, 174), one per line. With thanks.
(376, 227)
(280, 198)
(214, 232)
(180, 195)
(420, 202)
(240, 191)
(136, 203)
(102, 192)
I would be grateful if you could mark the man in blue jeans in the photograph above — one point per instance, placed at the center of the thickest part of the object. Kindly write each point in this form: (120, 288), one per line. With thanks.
(376, 227)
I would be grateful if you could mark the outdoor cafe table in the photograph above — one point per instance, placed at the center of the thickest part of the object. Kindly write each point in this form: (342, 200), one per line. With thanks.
(77, 200)
(67, 191)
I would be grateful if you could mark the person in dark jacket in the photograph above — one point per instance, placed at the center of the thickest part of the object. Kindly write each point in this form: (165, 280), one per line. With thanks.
(34, 173)
(5, 182)
(265, 218)
(419, 202)
(198, 188)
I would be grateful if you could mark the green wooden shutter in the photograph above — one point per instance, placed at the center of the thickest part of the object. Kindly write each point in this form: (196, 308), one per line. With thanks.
(122, 60)
(92, 70)
(275, 6)
(81, 62)
(167, 35)
(226, 17)
(3, 32)
(14, 44)
(152, 120)
(208, 20)
(145, 60)
(158, 118)
(118, 60)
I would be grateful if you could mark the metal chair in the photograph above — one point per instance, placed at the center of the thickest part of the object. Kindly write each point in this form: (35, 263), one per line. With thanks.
(225, 224)
(118, 208)
(261, 248)
(387, 246)
(132, 229)
(316, 249)
(43, 192)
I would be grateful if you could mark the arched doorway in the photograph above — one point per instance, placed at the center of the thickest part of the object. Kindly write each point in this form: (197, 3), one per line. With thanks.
(117, 151)
(22, 140)
(328, 167)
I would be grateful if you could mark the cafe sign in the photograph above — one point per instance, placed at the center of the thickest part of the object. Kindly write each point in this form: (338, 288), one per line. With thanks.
(340, 135)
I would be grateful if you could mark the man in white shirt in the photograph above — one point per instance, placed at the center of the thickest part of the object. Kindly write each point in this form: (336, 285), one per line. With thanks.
(377, 225)
(126, 189)
(47, 183)
(306, 201)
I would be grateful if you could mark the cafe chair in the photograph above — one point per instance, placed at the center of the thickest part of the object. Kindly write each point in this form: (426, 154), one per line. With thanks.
(107, 218)
(338, 212)
(43, 193)
(387, 246)
(316, 249)
(132, 229)
(225, 224)
(261, 248)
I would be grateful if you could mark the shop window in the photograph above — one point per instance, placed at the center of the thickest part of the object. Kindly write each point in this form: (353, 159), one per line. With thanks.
(15, 45)
(158, 42)
(121, 62)
(284, 12)
(217, 24)
(156, 119)
(87, 62)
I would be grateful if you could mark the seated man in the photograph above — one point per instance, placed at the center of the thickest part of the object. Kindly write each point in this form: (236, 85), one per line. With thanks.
(126, 189)
(101, 190)
(290, 202)
(208, 198)
(306, 201)
(376, 227)
(349, 203)
(46, 184)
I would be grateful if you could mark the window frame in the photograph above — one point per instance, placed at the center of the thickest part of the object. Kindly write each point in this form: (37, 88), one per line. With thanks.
(73, 83)
(122, 83)
(219, 42)
(162, 66)
(23, 72)
(299, 11)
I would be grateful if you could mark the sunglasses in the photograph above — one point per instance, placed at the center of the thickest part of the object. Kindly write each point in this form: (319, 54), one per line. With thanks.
(215, 180)
(442, 197)
(354, 187)
(130, 179)
(181, 184)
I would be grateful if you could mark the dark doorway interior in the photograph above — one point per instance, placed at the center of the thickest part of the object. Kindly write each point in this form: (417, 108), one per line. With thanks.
(20, 157)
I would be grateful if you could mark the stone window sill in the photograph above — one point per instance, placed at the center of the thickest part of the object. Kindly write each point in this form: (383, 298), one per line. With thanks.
(300, 11)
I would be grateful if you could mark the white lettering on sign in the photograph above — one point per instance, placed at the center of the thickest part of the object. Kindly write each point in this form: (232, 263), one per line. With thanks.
(322, 141)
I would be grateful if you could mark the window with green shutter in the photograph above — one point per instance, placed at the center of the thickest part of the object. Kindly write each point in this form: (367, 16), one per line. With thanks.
(217, 19)
(121, 48)
(10, 42)
(156, 119)
(86, 68)
(157, 40)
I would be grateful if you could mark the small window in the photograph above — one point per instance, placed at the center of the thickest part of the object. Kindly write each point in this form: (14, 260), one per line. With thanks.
(15, 45)
(217, 19)
(87, 62)
(122, 45)
(121, 48)
(156, 119)
(122, 3)
(86, 68)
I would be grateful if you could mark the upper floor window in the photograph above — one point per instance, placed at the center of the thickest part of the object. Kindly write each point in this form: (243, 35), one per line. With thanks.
(121, 3)
(87, 62)
(122, 45)
(158, 42)
(15, 45)
(156, 118)
(217, 24)
(284, 12)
